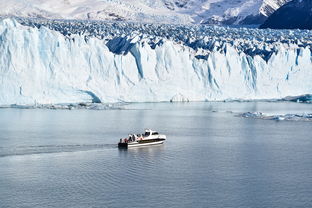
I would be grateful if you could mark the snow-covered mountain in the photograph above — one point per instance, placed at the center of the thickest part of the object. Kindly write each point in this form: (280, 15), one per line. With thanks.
(161, 11)
(83, 61)
(296, 14)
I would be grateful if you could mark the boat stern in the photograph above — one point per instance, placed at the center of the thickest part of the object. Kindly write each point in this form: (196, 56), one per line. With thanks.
(122, 145)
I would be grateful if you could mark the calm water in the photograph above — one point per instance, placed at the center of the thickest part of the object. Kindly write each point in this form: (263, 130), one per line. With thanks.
(59, 158)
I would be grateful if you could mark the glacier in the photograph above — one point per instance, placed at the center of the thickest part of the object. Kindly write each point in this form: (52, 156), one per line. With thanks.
(53, 62)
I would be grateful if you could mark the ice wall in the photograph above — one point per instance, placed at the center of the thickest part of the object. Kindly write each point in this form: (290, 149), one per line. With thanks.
(41, 66)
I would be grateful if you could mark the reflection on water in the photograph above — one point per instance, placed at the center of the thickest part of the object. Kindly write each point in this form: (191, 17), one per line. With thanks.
(210, 158)
(148, 150)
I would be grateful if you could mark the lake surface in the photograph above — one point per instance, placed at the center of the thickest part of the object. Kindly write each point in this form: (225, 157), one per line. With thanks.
(212, 158)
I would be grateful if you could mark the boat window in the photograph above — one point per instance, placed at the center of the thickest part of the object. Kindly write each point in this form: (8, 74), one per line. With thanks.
(155, 133)
(147, 133)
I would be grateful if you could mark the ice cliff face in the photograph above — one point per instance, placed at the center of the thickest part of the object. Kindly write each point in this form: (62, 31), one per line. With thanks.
(42, 66)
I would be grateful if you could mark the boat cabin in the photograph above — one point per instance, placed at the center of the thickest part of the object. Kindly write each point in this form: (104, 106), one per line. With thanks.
(149, 132)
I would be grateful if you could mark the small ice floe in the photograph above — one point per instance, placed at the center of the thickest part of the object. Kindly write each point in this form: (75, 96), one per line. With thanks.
(307, 98)
(71, 106)
(285, 117)
(252, 115)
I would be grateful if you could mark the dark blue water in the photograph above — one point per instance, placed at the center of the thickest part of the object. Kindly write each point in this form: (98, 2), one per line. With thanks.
(212, 158)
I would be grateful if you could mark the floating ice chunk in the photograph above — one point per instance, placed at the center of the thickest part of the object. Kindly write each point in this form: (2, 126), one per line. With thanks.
(300, 99)
(179, 98)
(71, 106)
(285, 117)
(251, 115)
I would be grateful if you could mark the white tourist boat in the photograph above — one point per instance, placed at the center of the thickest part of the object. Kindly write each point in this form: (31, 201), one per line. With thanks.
(150, 137)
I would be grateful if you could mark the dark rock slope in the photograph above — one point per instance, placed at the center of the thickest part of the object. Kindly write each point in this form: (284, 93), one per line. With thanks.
(296, 14)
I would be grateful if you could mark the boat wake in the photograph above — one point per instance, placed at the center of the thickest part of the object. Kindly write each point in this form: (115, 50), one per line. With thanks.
(46, 149)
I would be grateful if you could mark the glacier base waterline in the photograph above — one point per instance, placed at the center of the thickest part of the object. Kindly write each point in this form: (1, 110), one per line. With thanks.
(42, 66)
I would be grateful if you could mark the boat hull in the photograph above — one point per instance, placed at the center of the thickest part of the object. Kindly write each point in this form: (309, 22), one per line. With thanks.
(141, 143)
